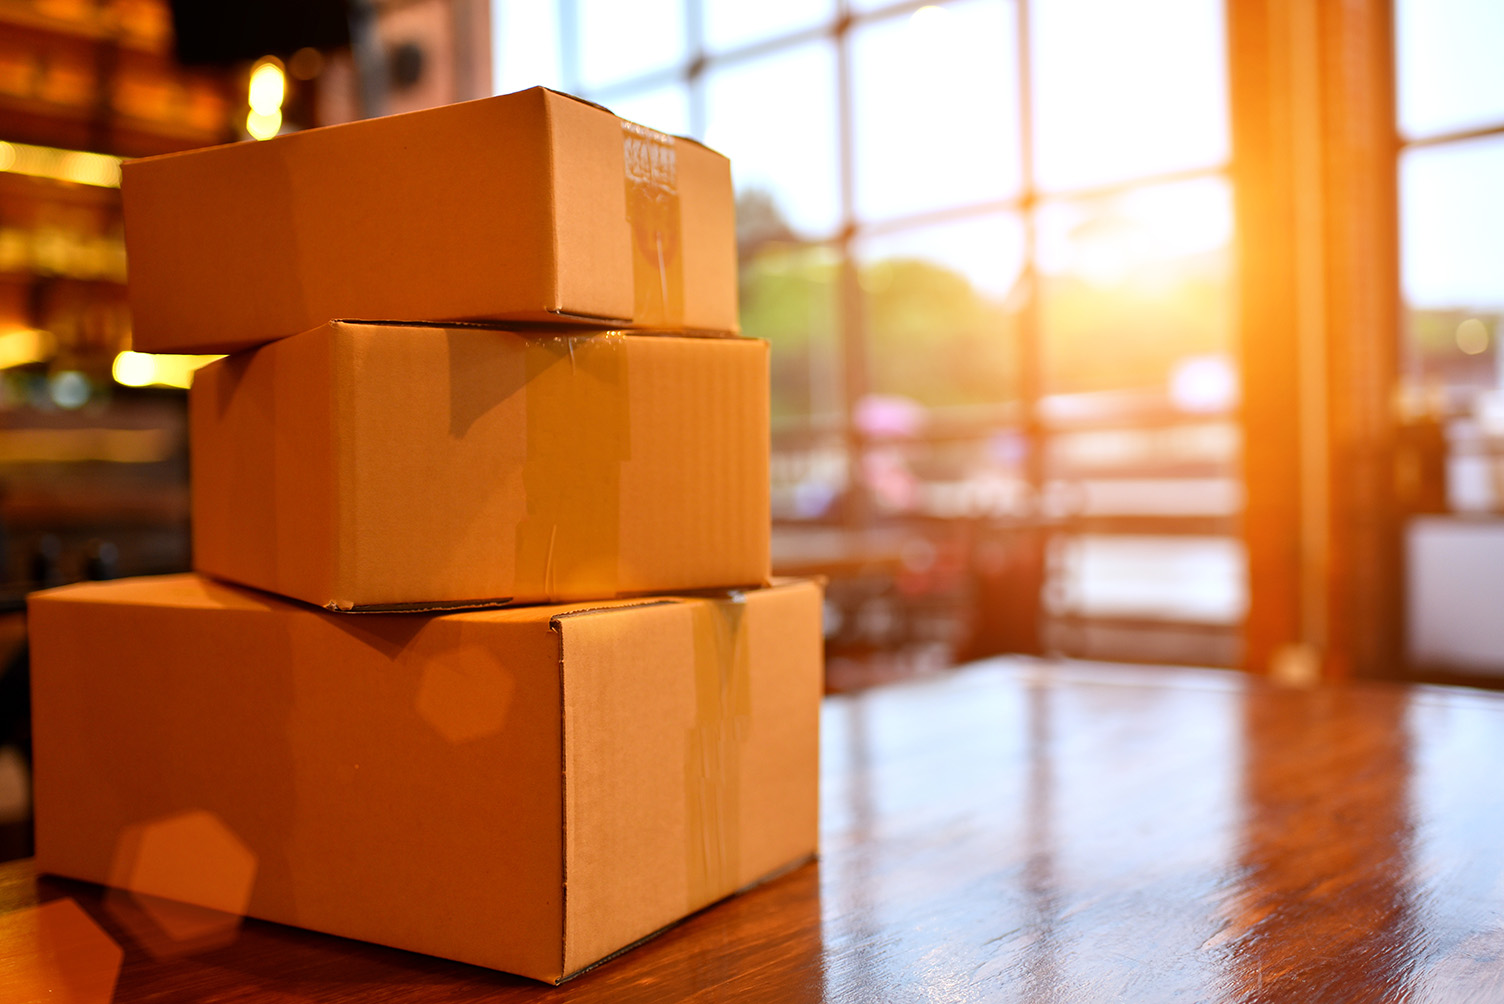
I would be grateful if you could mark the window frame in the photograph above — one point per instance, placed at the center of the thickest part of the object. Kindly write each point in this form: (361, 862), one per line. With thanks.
(1025, 414)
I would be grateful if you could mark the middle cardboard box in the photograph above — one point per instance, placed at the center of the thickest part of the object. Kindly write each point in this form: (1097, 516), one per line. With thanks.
(379, 466)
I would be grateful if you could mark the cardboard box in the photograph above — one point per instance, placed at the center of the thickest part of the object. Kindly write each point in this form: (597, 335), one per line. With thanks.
(529, 789)
(369, 467)
(531, 206)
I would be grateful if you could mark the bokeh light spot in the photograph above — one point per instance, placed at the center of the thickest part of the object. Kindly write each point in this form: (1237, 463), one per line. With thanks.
(268, 87)
(55, 952)
(169, 929)
(263, 126)
(191, 857)
(69, 389)
(140, 369)
(465, 697)
(1472, 336)
(1204, 384)
(306, 63)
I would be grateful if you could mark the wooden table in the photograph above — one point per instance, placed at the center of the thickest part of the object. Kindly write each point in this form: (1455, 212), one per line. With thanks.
(1019, 831)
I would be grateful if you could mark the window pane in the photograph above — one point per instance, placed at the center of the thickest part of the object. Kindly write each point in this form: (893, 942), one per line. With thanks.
(937, 311)
(620, 41)
(789, 296)
(1450, 72)
(730, 24)
(1135, 294)
(942, 346)
(525, 45)
(1452, 260)
(1452, 220)
(663, 108)
(1125, 90)
(776, 119)
(1186, 578)
(936, 109)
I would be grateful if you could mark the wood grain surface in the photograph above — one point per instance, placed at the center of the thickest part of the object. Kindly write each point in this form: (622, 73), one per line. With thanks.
(1013, 831)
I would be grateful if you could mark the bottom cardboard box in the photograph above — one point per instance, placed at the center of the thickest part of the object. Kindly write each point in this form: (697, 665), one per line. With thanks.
(530, 789)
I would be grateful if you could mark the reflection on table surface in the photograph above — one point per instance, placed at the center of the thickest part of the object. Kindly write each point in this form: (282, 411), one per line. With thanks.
(1012, 831)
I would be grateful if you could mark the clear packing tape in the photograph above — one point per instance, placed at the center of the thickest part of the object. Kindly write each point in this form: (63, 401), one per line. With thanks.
(653, 216)
(578, 435)
(713, 754)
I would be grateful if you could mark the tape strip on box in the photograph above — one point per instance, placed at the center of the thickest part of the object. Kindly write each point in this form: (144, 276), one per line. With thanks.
(657, 238)
(713, 757)
(578, 435)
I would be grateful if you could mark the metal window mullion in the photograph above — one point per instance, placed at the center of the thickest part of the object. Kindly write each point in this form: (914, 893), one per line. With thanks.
(693, 72)
(1030, 356)
(569, 45)
(1486, 131)
(852, 328)
(1028, 338)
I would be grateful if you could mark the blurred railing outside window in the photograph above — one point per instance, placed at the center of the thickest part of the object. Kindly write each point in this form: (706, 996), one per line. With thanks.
(989, 242)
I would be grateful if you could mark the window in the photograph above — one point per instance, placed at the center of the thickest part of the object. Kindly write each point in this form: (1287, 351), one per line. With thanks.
(1450, 124)
(989, 241)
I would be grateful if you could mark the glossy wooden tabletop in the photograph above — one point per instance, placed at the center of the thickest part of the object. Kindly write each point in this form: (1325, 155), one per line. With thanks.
(1014, 831)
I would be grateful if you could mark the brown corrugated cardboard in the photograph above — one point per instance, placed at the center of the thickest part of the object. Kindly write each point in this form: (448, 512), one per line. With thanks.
(363, 466)
(531, 206)
(528, 789)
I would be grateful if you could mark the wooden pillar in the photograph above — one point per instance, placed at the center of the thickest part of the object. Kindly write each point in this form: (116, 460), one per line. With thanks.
(1314, 167)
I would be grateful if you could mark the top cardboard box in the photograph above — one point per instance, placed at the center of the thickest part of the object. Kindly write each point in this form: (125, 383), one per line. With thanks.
(529, 207)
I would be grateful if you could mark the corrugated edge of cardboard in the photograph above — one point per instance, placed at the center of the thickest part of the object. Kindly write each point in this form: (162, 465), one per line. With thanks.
(588, 325)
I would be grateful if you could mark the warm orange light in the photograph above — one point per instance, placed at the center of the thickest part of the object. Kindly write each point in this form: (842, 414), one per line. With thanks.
(268, 87)
(78, 166)
(21, 346)
(267, 90)
(1152, 226)
(141, 369)
(263, 126)
(71, 446)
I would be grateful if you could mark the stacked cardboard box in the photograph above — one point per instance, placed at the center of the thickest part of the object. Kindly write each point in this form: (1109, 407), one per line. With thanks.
(428, 762)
